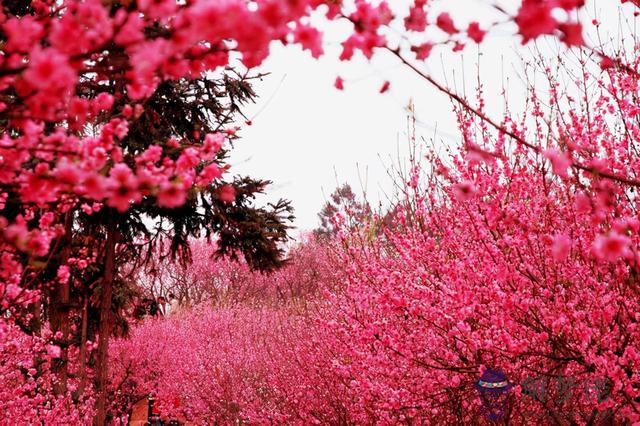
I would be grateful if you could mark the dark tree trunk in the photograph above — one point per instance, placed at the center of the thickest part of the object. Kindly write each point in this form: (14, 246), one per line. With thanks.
(60, 323)
(82, 358)
(35, 324)
(105, 325)
(59, 305)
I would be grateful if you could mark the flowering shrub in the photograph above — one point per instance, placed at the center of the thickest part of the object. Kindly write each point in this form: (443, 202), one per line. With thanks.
(27, 382)
(75, 63)
(222, 280)
(502, 279)
(87, 144)
(258, 365)
(512, 255)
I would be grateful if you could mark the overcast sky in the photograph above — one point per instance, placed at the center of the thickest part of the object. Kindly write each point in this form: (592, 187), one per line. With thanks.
(307, 136)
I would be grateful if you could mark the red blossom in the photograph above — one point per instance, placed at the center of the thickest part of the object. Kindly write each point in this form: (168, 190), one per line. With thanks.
(572, 34)
(494, 260)
(53, 351)
(422, 51)
(464, 190)
(227, 193)
(445, 23)
(559, 161)
(606, 63)
(561, 247)
(310, 39)
(475, 32)
(611, 247)
(534, 19)
(416, 20)
(22, 33)
(171, 195)
(570, 5)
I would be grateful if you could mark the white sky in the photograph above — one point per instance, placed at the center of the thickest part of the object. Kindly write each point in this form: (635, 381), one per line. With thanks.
(305, 132)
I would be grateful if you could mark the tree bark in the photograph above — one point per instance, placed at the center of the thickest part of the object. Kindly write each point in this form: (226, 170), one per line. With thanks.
(59, 306)
(105, 325)
(36, 321)
(60, 323)
(82, 358)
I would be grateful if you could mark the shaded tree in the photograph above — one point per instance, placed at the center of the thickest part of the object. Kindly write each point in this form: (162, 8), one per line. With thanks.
(343, 204)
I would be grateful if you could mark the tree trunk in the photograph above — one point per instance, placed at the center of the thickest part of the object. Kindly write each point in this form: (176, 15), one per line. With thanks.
(59, 306)
(82, 358)
(105, 325)
(60, 323)
(36, 321)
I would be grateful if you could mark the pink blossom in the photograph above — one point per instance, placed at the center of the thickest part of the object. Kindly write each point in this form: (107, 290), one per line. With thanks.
(208, 174)
(416, 20)
(78, 111)
(398, 314)
(152, 155)
(227, 193)
(475, 32)
(12, 291)
(422, 51)
(213, 142)
(22, 33)
(187, 160)
(171, 195)
(310, 39)
(103, 102)
(131, 31)
(63, 274)
(561, 247)
(38, 243)
(47, 220)
(611, 247)
(445, 23)
(582, 203)
(94, 186)
(54, 351)
(49, 70)
(559, 161)
(534, 19)
(123, 187)
(464, 190)
(572, 34)
(84, 27)
(67, 173)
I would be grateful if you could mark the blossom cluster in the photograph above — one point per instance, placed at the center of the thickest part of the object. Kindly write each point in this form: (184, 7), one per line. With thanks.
(526, 261)
(226, 365)
(501, 256)
(27, 382)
